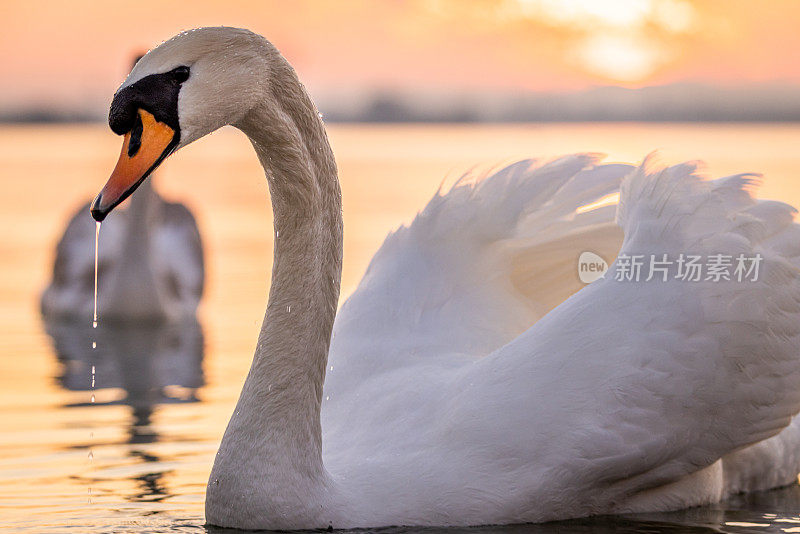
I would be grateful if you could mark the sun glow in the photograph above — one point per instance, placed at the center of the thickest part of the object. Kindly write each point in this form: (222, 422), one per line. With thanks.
(416, 47)
(613, 13)
(622, 58)
(621, 40)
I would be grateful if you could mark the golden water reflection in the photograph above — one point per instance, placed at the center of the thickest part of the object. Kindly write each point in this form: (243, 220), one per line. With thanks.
(159, 415)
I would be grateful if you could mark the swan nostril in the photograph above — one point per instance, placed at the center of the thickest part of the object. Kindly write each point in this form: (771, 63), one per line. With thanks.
(135, 141)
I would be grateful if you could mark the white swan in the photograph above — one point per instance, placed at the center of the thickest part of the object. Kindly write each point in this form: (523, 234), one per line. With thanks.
(452, 396)
(151, 264)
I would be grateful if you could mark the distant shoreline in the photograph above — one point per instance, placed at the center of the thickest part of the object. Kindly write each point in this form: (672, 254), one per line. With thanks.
(682, 102)
(40, 121)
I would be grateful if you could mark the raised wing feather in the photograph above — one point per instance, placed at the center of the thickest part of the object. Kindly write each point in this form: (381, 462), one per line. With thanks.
(629, 386)
(475, 268)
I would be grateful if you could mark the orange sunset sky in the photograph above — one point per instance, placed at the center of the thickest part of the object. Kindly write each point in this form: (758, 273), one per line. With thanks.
(76, 53)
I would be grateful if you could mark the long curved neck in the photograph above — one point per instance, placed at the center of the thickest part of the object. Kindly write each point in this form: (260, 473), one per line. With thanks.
(276, 426)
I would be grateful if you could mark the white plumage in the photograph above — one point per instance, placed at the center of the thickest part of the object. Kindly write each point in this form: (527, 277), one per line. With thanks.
(626, 397)
(467, 381)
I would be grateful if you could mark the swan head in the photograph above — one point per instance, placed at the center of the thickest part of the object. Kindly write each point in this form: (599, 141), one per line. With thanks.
(187, 87)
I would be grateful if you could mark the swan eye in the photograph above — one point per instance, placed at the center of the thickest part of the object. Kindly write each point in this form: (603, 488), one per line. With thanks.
(181, 74)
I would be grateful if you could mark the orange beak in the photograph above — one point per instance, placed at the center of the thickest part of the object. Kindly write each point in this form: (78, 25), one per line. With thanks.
(143, 149)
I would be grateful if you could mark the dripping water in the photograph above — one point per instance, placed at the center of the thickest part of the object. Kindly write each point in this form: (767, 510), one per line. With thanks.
(96, 246)
(94, 341)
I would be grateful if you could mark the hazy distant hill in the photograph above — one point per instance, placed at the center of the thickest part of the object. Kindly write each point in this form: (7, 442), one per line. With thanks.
(677, 102)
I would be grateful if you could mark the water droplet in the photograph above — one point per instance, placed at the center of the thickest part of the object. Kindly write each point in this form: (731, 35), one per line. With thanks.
(277, 233)
(331, 368)
(289, 308)
(93, 399)
(94, 344)
(91, 455)
(216, 482)
(328, 397)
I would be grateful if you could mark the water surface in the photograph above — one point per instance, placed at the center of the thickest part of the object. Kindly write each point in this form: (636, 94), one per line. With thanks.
(164, 394)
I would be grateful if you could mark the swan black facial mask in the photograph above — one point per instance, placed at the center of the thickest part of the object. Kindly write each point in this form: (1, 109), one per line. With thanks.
(146, 114)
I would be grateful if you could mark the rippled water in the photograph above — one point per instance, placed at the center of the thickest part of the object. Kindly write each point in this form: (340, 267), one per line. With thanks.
(164, 394)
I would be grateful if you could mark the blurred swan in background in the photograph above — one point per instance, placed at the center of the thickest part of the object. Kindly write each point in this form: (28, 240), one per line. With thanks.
(150, 264)
(467, 382)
